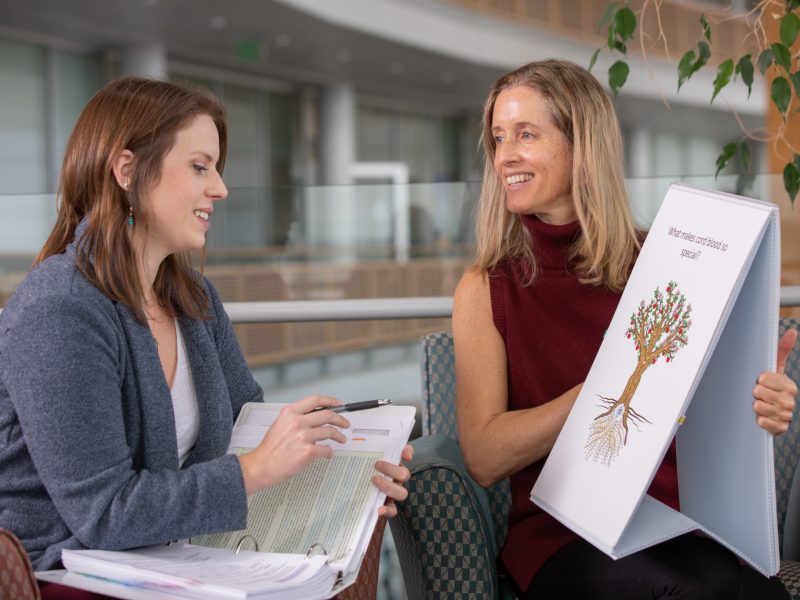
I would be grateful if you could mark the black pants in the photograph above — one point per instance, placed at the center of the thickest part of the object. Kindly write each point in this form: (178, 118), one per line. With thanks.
(687, 567)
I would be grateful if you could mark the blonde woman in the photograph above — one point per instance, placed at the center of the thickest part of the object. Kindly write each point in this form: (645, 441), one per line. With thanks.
(555, 245)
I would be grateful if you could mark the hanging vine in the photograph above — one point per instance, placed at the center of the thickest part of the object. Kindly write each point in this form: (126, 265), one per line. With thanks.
(773, 58)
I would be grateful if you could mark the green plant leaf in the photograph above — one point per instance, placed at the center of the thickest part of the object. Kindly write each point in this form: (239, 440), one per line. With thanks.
(745, 68)
(791, 5)
(594, 58)
(743, 154)
(685, 68)
(781, 94)
(608, 15)
(617, 76)
(797, 161)
(795, 77)
(625, 22)
(782, 56)
(706, 27)
(724, 73)
(621, 47)
(728, 151)
(791, 181)
(703, 56)
(765, 60)
(612, 36)
(790, 27)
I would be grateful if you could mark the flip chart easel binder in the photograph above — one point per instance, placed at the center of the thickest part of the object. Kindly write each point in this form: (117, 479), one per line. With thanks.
(707, 284)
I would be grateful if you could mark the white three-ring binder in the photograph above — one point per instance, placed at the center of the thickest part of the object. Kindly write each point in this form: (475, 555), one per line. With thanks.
(696, 324)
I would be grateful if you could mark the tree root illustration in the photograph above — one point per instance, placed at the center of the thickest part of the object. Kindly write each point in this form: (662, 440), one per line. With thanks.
(608, 432)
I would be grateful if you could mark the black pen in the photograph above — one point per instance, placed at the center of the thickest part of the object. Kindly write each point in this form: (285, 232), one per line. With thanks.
(356, 405)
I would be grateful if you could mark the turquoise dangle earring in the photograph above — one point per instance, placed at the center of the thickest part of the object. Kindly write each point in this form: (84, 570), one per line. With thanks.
(130, 206)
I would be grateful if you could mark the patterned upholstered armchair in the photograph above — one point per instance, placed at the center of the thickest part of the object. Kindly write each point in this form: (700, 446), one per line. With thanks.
(787, 482)
(16, 574)
(449, 530)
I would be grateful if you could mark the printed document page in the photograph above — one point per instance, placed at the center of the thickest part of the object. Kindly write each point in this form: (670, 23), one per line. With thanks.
(331, 506)
(322, 505)
(311, 531)
(198, 572)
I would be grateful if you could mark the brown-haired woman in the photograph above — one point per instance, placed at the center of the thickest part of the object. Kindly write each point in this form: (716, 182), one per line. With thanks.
(555, 245)
(120, 376)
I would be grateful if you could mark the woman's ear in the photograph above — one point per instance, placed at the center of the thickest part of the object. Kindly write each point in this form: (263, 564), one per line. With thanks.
(123, 169)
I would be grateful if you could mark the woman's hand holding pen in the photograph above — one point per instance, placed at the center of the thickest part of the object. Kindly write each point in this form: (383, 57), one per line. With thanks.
(290, 445)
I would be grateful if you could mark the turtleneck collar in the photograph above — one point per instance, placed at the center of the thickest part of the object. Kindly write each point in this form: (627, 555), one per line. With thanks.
(551, 243)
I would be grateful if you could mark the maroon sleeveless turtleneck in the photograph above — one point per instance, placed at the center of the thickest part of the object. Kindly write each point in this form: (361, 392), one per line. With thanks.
(552, 331)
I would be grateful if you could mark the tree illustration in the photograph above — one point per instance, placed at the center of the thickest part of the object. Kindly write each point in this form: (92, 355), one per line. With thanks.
(658, 329)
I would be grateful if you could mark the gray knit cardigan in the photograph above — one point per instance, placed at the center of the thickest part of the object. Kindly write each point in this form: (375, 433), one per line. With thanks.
(88, 451)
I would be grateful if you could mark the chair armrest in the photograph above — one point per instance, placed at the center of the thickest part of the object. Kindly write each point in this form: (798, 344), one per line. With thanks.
(790, 577)
(16, 574)
(790, 549)
(443, 531)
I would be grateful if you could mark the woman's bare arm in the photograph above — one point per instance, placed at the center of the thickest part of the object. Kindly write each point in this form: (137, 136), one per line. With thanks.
(495, 442)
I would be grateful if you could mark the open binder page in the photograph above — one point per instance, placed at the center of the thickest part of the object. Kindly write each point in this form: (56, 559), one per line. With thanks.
(664, 333)
(330, 507)
(196, 572)
(306, 537)
(319, 507)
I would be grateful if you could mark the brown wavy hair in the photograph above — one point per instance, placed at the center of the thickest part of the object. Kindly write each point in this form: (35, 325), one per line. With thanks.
(143, 116)
(609, 243)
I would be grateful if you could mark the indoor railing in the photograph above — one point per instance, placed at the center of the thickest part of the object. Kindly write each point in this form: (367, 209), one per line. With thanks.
(437, 307)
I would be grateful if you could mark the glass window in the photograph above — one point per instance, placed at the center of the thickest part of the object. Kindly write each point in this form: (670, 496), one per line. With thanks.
(429, 145)
(77, 79)
(23, 153)
(263, 136)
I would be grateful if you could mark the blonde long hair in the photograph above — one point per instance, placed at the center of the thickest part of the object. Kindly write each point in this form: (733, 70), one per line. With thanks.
(605, 251)
(143, 116)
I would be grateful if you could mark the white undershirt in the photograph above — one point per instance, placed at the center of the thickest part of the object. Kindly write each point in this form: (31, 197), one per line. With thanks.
(184, 401)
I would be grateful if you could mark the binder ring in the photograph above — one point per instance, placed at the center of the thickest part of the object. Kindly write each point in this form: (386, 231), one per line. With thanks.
(316, 545)
(241, 541)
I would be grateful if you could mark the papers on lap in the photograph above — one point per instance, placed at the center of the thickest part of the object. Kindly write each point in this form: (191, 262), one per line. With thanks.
(311, 531)
(696, 324)
(198, 572)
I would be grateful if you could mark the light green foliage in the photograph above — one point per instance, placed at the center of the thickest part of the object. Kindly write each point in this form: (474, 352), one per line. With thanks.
(781, 93)
(618, 75)
(791, 177)
(724, 72)
(706, 27)
(790, 26)
(745, 68)
(690, 65)
(621, 22)
(728, 152)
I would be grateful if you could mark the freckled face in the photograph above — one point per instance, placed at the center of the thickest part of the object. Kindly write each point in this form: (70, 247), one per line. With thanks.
(532, 157)
(179, 206)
